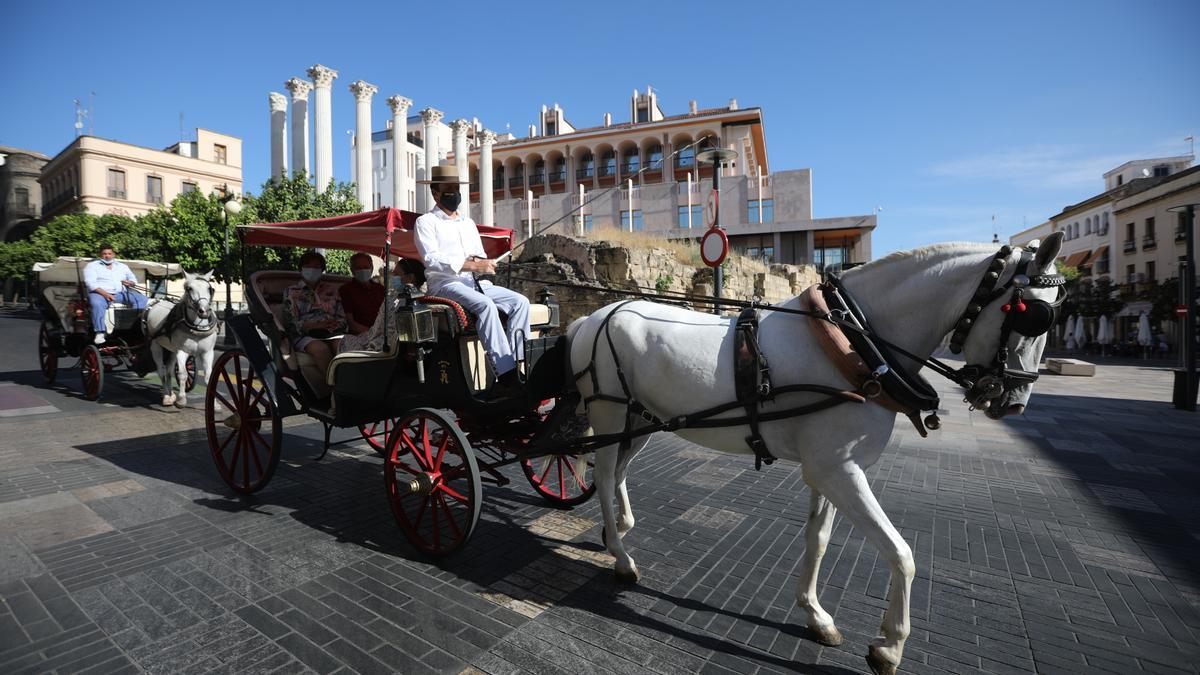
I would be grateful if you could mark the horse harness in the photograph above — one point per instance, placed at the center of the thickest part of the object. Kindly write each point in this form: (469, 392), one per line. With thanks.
(178, 316)
(866, 360)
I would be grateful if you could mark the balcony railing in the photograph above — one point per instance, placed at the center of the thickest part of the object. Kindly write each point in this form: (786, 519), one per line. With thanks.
(1130, 246)
(607, 171)
(474, 187)
(584, 173)
(685, 162)
(516, 181)
(537, 180)
(558, 176)
(154, 199)
(629, 169)
(116, 194)
(1149, 243)
(498, 183)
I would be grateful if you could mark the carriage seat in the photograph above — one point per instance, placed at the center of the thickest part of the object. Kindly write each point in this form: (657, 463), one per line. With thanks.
(61, 297)
(268, 287)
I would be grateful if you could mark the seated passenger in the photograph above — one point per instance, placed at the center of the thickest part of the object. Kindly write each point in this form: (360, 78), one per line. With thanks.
(107, 281)
(312, 312)
(407, 273)
(362, 297)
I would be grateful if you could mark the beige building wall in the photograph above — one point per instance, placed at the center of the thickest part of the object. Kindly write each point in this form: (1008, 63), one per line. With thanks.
(78, 178)
(1154, 256)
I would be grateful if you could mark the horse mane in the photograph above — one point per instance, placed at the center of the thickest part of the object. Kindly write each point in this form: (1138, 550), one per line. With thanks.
(932, 253)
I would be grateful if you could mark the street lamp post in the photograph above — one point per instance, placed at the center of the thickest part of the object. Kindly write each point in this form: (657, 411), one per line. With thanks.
(1188, 399)
(230, 206)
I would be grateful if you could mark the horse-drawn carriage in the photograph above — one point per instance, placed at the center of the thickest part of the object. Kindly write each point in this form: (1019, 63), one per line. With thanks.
(66, 329)
(422, 401)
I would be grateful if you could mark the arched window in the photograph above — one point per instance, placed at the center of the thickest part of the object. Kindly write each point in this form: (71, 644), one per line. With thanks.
(587, 166)
(654, 156)
(1104, 227)
(560, 170)
(608, 166)
(539, 173)
(1087, 225)
(629, 162)
(686, 157)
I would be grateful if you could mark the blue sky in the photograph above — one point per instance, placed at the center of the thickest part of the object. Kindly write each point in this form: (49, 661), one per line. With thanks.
(941, 113)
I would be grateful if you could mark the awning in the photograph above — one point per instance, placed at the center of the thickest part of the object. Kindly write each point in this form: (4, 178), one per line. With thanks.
(1076, 258)
(1135, 308)
(366, 232)
(70, 268)
(1095, 257)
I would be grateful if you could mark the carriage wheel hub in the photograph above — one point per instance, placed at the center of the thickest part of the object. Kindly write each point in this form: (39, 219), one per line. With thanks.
(424, 483)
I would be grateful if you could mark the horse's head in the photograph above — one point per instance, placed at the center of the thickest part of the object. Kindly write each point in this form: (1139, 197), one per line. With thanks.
(198, 293)
(1007, 333)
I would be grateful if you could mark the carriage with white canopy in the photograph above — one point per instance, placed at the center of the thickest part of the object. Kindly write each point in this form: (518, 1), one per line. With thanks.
(66, 329)
(422, 401)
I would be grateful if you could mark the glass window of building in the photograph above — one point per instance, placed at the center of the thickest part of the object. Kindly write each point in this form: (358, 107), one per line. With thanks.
(21, 197)
(686, 157)
(560, 170)
(629, 162)
(587, 222)
(609, 164)
(768, 210)
(697, 212)
(587, 166)
(654, 157)
(187, 187)
(154, 189)
(220, 154)
(116, 184)
(637, 220)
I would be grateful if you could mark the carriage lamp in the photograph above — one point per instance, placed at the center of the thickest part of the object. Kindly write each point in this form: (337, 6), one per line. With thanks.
(414, 320)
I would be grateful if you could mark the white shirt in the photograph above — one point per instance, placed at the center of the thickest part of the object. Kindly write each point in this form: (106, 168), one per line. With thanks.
(107, 277)
(444, 244)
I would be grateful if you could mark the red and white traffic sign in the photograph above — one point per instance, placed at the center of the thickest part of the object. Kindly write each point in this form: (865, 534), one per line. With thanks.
(1181, 310)
(714, 246)
(713, 203)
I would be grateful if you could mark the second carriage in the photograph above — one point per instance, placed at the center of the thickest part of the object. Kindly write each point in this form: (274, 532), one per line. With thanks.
(422, 401)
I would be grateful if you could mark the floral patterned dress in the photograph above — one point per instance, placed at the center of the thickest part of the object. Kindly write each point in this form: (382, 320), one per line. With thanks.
(304, 304)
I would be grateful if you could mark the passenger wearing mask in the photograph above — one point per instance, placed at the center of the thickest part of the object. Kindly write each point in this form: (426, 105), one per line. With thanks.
(362, 297)
(312, 312)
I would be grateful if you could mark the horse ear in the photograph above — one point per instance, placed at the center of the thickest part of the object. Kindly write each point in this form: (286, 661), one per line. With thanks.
(207, 276)
(188, 276)
(1048, 251)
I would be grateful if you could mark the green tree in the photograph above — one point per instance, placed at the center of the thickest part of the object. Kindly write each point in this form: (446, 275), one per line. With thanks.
(293, 199)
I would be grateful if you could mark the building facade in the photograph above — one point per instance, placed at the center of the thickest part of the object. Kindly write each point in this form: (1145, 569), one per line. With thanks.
(102, 176)
(641, 174)
(1152, 238)
(20, 192)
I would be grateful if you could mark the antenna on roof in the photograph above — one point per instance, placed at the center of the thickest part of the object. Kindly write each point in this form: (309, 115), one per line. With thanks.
(80, 114)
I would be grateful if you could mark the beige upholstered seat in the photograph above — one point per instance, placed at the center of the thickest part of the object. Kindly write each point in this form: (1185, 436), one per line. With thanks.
(268, 287)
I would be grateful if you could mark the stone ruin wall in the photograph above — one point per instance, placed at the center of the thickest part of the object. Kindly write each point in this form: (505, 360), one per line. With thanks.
(601, 264)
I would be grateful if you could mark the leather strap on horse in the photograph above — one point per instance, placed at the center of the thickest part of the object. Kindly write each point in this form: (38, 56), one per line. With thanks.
(752, 380)
(838, 349)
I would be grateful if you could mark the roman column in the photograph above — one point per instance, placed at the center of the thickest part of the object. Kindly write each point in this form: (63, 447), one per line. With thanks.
(429, 136)
(399, 106)
(486, 139)
(459, 128)
(322, 79)
(363, 92)
(278, 105)
(299, 89)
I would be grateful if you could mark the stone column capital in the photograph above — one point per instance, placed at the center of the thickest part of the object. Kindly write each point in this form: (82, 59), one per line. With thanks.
(399, 104)
(431, 116)
(363, 91)
(487, 137)
(277, 102)
(459, 127)
(322, 76)
(299, 88)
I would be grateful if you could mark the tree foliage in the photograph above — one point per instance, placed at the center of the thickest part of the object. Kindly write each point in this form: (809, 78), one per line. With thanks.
(191, 231)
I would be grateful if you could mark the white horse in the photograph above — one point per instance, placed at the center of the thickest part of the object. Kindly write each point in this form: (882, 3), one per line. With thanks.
(180, 329)
(677, 362)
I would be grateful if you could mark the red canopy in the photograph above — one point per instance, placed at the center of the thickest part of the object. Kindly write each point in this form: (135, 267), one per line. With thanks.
(367, 232)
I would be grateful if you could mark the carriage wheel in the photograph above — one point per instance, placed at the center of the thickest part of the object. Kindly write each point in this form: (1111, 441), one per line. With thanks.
(190, 367)
(237, 409)
(376, 435)
(47, 354)
(562, 480)
(432, 481)
(91, 371)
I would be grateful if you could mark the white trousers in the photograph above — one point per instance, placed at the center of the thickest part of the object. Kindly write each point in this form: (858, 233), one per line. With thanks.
(503, 348)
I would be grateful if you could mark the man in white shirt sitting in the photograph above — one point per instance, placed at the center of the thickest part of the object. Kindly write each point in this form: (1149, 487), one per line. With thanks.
(449, 245)
(108, 281)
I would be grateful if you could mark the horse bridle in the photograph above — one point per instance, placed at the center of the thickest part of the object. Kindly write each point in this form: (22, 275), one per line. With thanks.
(1028, 316)
(190, 308)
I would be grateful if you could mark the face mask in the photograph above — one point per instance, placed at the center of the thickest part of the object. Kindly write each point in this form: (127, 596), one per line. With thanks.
(106, 262)
(311, 274)
(450, 201)
(397, 283)
(362, 276)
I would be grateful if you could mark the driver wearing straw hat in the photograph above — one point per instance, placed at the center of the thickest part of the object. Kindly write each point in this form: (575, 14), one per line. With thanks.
(449, 245)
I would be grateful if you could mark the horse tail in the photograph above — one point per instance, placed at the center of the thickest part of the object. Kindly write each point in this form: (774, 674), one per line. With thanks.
(569, 376)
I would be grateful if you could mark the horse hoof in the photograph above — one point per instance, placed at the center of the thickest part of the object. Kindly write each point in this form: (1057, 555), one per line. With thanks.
(168, 400)
(829, 636)
(878, 664)
(630, 577)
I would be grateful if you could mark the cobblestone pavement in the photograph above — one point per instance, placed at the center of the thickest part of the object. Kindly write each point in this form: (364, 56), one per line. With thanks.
(1062, 542)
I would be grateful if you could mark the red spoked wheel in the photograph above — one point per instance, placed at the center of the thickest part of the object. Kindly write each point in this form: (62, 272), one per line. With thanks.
(237, 411)
(376, 435)
(432, 481)
(47, 353)
(562, 480)
(190, 367)
(91, 372)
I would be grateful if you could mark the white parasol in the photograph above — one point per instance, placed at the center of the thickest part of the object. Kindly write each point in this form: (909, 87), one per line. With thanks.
(1143, 334)
(1080, 332)
(1069, 332)
(1103, 330)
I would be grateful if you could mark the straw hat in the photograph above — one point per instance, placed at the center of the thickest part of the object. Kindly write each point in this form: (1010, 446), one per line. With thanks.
(443, 174)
